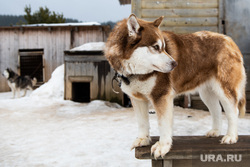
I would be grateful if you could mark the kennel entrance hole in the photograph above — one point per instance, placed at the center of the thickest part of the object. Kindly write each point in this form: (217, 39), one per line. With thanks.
(81, 92)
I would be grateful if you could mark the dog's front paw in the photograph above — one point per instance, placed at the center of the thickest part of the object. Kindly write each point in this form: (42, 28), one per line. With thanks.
(161, 148)
(139, 142)
(229, 139)
(213, 133)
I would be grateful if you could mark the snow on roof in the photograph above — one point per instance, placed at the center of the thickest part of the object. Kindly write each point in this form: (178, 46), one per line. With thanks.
(92, 46)
(62, 24)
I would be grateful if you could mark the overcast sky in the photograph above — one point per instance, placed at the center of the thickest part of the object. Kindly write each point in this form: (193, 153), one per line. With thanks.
(82, 10)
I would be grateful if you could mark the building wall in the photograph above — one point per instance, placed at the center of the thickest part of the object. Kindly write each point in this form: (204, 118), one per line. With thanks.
(54, 40)
(182, 16)
(230, 17)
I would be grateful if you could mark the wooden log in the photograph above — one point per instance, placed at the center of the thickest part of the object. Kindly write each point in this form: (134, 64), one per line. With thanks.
(163, 4)
(148, 13)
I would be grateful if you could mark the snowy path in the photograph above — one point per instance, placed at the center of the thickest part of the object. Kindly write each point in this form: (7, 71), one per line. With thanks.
(63, 133)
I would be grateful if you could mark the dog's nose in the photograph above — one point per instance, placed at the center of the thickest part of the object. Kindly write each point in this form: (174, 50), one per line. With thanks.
(174, 64)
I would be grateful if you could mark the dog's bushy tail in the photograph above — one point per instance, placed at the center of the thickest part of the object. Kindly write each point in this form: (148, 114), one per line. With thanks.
(242, 106)
(34, 81)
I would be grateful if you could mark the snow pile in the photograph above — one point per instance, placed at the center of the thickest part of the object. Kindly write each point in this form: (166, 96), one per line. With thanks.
(92, 46)
(54, 88)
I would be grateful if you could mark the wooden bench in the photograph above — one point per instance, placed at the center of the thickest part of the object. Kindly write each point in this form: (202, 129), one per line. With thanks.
(200, 151)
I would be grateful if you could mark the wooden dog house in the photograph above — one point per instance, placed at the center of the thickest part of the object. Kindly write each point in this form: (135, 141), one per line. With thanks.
(88, 76)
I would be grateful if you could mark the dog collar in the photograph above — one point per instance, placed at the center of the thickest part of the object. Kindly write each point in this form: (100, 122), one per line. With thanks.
(119, 79)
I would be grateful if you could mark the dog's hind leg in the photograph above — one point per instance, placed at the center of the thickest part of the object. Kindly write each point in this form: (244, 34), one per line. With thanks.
(164, 109)
(231, 111)
(141, 112)
(211, 100)
(25, 91)
(18, 92)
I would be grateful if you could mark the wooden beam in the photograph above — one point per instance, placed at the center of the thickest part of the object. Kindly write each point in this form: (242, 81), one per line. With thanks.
(191, 147)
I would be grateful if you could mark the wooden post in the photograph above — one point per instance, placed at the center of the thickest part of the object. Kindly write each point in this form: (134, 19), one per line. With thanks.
(157, 163)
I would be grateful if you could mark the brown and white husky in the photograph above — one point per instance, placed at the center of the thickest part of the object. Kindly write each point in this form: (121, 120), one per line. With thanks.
(159, 65)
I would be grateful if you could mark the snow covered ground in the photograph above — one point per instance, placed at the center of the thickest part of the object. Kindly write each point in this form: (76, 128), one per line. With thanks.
(44, 130)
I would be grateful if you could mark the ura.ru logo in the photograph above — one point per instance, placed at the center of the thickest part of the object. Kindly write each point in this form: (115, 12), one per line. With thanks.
(220, 158)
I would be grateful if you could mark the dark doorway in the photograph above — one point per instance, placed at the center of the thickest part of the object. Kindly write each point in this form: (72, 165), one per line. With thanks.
(31, 63)
(81, 92)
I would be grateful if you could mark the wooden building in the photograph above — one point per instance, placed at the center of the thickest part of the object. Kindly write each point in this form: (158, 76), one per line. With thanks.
(229, 17)
(88, 76)
(182, 16)
(37, 50)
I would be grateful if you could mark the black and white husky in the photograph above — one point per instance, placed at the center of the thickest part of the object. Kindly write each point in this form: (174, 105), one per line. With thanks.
(18, 83)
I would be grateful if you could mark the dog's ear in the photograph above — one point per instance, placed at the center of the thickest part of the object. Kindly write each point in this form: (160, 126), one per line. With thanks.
(158, 21)
(133, 25)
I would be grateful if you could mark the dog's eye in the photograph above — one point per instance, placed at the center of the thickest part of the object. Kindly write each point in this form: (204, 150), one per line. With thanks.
(156, 47)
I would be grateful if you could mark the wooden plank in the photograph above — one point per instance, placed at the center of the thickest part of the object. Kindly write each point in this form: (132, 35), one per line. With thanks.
(148, 13)
(221, 17)
(80, 78)
(191, 147)
(187, 21)
(84, 58)
(190, 29)
(77, 68)
(163, 4)
(136, 7)
(168, 163)
(83, 69)
(107, 81)
(157, 163)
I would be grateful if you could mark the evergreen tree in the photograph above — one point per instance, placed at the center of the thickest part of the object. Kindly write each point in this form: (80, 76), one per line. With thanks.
(43, 15)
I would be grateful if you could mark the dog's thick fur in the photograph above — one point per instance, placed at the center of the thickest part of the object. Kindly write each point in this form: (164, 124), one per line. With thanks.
(18, 83)
(208, 62)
